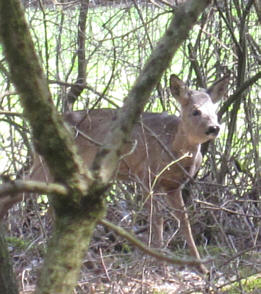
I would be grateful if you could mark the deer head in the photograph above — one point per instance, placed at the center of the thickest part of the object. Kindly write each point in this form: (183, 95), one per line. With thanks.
(198, 111)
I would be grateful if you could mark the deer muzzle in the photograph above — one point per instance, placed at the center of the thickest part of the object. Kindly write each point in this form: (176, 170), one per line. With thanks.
(213, 130)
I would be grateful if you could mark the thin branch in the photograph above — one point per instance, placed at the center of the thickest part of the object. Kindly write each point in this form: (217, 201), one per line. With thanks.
(215, 207)
(238, 93)
(230, 28)
(196, 66)
(164, 2)
(152, 252)
(12, 188)
(85, 86)
(46, 47)
(11, 113)
(239, 254)
(113, 67)
(78, 87)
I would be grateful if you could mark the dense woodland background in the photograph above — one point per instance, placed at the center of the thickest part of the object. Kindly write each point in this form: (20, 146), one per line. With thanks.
(91, 53)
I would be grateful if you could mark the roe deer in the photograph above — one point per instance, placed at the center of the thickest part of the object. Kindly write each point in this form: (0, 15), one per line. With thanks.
(157, 139)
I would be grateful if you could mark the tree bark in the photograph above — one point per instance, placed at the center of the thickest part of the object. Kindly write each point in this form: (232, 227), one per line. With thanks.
(66, 250)
(7, 279)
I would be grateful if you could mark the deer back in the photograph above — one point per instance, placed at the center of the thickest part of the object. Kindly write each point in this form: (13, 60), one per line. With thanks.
(146, 153)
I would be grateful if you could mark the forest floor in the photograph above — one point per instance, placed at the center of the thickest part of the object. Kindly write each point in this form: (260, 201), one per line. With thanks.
(113, 266)
(130, 271)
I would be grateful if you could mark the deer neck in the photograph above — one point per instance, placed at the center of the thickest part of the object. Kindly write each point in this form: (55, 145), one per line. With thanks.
(182, 145)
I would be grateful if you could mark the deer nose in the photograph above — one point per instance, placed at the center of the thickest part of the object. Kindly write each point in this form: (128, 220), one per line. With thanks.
(213, 130)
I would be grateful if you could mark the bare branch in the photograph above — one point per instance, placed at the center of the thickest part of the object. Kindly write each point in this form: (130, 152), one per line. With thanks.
(78, 87)
(14, 187)
(238, 93)
(11, 113)
(152, 252)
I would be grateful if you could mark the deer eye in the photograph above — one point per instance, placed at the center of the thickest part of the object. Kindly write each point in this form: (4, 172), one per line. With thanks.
(196, 112)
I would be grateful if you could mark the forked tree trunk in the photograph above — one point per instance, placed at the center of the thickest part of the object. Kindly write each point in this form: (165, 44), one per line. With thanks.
(66, 250)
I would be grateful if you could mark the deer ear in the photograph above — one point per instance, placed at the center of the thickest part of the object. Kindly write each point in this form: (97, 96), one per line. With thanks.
(179, 90)
(218, 89)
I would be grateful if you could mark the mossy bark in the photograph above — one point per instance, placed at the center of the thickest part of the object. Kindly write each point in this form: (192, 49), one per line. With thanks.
(66, 249)
(7, 280)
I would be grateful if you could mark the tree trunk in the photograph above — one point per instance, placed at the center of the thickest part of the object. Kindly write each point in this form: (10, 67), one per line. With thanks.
(7, 281)
(66, 250)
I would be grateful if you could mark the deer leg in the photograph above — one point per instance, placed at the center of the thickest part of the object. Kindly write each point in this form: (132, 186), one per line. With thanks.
(155, 231)
(155, 223)
(176, 202)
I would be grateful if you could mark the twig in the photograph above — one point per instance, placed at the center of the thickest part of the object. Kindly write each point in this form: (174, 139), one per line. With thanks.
(239, 254)
(237, 94)
(10, 113)
(214, 207)
(186, 155)
(13, 187)
(104, 266)
(152, 252)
